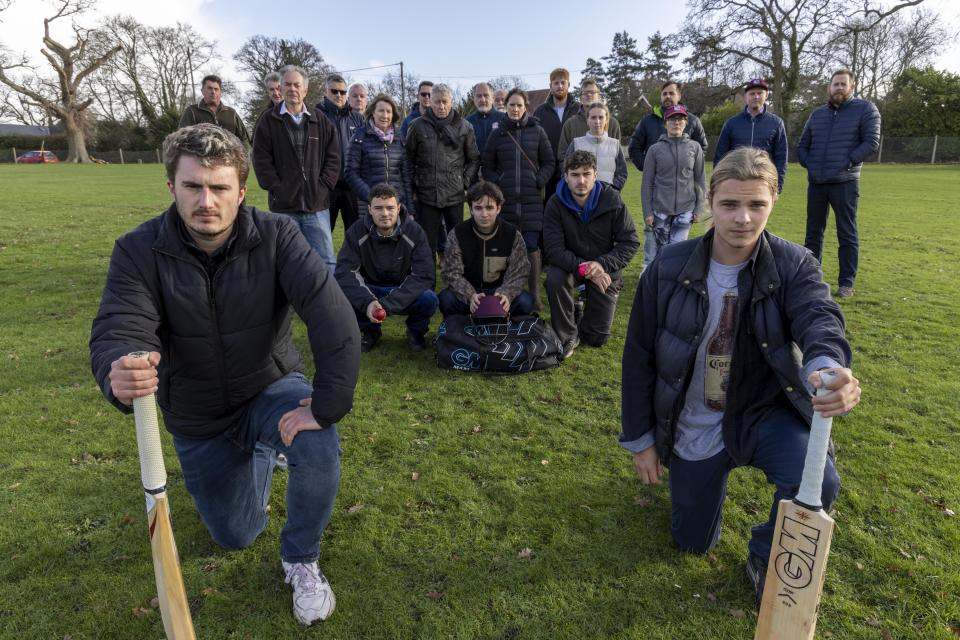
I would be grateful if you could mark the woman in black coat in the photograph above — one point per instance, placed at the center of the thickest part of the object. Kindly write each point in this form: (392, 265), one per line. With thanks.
(520, 160)
(376, 154)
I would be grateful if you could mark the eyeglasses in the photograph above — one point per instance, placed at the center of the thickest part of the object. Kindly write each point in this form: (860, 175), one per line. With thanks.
(338, 92)
(425, 94)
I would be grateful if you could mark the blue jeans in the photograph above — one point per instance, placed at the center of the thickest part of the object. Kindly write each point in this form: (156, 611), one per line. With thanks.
(231, 485)
(668, 229)
(418, 312)
(649, 246)
(843, 197)
(451, 305)
(315, 227)
(698, 488)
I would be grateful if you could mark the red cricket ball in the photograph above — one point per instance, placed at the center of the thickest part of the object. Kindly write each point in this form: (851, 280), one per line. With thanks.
(583, 269)
(380, 314)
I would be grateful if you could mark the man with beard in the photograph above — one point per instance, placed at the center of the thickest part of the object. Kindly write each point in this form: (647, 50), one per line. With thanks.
(552, 114)
(577, 126)
(485, 118)
(500, 100)
(836, 140)
(443, 160)
(647, 133)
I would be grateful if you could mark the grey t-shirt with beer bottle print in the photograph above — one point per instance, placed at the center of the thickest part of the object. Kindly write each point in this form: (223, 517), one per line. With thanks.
(699, 428)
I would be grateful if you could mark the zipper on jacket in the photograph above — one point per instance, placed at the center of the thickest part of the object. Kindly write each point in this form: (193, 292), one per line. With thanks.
(212, 297)
(386, 163)
(676, 177)
(516, 155)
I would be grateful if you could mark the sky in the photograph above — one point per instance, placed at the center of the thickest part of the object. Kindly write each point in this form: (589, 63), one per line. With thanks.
(459, 43)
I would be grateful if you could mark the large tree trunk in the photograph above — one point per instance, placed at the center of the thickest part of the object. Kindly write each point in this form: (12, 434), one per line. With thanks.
(76, 140)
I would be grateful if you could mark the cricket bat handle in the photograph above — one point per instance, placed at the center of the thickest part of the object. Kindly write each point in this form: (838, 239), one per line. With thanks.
(174, 607)
(811, 483)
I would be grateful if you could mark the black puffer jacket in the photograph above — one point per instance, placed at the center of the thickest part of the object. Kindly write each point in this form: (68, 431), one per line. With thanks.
(443, 159)
(518, 158)
(609, 236)
(789, 321)
(223, 339)
(370, 162)
(403, 260)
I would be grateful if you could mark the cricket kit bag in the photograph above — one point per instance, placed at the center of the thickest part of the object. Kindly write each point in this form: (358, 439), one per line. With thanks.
(512, 345)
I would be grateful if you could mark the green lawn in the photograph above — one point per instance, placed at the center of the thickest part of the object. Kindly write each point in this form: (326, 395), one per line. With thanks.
(505, 463)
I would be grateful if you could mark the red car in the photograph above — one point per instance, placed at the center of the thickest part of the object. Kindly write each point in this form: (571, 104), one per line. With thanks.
(38, 157)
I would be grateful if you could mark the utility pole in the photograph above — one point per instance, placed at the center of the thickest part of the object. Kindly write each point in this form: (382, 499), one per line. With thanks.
(403, 92)
(193, 85)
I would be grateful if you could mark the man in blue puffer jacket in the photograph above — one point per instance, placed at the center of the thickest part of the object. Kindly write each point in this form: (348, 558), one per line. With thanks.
(756, 127)
(836, 140)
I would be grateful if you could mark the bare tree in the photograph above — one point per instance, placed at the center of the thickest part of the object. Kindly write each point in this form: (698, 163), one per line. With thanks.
(260, 55)
(880, 54)
(389, 84)
(786, 40)
(72, 65)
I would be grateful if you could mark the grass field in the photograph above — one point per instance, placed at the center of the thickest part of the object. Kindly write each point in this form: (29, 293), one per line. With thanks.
(448, 478)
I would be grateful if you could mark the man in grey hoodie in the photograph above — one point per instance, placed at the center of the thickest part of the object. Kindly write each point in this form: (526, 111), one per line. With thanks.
(673, 181)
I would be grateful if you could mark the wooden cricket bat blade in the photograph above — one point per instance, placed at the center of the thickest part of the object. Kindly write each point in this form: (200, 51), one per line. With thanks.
(174, 607)
(795, 573)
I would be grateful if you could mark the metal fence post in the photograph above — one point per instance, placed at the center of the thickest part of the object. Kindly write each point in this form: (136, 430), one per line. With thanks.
(880, 151)
(933, 156)
(121, 156)
(14, 155)
(158, 155)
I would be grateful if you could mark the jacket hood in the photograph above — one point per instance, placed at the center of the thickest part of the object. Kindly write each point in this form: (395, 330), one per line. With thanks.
(590, 206)
(665, 137)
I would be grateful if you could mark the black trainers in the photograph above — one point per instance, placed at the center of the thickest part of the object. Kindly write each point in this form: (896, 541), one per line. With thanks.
(368, 341)
(577, 312)
(570, 346)
(417, 343)
(757, 574)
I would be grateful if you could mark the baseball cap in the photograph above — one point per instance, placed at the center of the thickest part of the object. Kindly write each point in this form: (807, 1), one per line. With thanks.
(756, 83)
(675, 110)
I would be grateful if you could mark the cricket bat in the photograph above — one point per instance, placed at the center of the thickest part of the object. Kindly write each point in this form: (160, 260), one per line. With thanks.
(801, 543)
(174, 609)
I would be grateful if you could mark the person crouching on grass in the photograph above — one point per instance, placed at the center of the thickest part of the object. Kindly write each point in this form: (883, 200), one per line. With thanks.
(209, 285)
(726, 336)
(485, 256)
(673, 181)
(385, 267)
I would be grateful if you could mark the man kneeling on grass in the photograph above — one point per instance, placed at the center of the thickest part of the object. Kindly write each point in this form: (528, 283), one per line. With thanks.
(385, 267)
(209, 285)
(589, 238)
(485, 256)
(726, 336)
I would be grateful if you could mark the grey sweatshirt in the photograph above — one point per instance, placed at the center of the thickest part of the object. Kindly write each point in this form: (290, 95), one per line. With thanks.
(674, 181)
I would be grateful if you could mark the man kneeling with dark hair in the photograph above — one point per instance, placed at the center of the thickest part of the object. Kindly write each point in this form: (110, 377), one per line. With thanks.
(485, 256)
(589, 239)
(385, 267)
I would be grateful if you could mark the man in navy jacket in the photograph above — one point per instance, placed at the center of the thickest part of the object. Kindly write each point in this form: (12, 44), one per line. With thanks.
(207, 289)
(727, 335)
(755, 127)
(836, 140)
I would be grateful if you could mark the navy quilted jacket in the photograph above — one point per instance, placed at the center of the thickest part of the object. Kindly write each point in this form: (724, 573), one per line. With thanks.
(836, 140)
(789, 321)
(766, 131)
(370, 162)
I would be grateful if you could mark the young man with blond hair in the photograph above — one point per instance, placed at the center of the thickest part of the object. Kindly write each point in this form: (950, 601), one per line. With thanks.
(726, 337)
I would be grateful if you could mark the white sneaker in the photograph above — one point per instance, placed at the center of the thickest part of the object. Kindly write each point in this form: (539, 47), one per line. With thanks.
(313, 598)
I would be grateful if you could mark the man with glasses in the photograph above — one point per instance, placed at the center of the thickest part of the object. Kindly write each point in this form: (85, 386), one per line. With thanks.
(346, 121)
(577, 126)
(424, 91)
